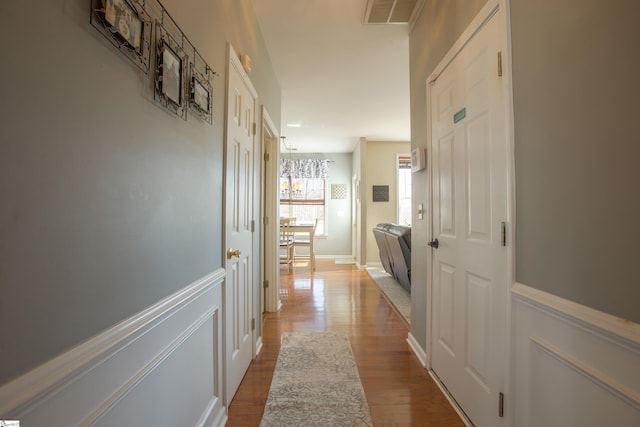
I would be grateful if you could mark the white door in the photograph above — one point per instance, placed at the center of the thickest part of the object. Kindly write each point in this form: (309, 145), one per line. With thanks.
(469, 273)
(238, 236)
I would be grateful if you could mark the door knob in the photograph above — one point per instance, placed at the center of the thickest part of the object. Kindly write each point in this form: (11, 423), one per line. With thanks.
(231, 253)
(434, 243)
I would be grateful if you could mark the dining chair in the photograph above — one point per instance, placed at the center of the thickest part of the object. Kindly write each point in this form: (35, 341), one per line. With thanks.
(286, 243)
(306, 243)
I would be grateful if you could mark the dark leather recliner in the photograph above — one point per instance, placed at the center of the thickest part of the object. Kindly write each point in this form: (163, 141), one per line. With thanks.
(394, 246)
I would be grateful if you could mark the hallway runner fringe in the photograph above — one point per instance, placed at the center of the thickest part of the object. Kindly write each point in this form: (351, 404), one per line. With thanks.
(316, 383)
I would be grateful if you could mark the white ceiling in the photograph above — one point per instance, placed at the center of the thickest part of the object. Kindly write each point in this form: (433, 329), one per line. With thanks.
(341, 80)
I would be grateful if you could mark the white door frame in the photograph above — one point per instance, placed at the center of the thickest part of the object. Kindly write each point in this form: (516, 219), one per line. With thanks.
(491, 7)
(233, 63)
(270, 270)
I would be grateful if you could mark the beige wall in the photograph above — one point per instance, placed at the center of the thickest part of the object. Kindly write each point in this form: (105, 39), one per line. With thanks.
(381, 169)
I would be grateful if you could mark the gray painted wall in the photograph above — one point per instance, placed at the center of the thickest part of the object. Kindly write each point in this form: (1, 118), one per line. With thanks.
(576, 71)
(109, 203)
(576, 98)
(437, 29)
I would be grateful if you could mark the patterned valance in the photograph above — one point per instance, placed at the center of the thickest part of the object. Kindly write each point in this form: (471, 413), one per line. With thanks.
(304, 168)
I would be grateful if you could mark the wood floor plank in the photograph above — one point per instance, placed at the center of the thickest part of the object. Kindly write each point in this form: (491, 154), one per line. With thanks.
(341, 297)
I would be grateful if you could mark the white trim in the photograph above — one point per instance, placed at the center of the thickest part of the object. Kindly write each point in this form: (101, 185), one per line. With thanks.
(270, 203)
(105, 369)
(489, 9)
(615, 329)
(604, 381)
(451, 400)
(560, 345)
(417, 350)
(212, 418)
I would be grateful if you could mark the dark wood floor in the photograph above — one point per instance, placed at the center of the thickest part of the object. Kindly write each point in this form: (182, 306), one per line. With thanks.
(343, 298)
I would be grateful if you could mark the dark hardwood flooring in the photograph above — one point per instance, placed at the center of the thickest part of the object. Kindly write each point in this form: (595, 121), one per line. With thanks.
(343, 298)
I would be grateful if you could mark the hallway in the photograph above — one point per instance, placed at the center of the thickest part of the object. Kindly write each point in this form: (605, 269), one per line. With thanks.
(343, 298)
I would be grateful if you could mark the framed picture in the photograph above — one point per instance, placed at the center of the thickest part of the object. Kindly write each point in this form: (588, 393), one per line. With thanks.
(380, 193)
(127, 26)
(418, 161)
(170, 74)
(124, 22)
(200, 95)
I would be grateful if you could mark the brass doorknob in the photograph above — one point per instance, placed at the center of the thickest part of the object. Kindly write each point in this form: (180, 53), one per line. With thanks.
(231, 253)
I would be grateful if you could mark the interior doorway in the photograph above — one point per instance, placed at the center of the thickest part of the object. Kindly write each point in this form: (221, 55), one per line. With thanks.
(470, 263)
(270, 221)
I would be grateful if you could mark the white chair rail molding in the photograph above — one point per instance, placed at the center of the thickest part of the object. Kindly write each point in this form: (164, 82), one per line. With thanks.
(572, 365)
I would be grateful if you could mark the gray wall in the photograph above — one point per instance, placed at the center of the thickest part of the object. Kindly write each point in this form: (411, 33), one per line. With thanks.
(437, 29)
(576, 98)
(109, 203)
(576, 76)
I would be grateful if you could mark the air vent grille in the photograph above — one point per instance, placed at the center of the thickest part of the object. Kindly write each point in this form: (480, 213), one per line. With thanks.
(389, 11)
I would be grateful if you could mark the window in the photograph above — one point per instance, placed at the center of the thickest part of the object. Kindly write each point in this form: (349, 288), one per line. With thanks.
(302, 191)
(404, 190)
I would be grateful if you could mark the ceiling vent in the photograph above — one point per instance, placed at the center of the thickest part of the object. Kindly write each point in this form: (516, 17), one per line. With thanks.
(391, 11)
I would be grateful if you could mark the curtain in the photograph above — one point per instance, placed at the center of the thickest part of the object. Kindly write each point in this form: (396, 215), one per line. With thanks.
(304, 168)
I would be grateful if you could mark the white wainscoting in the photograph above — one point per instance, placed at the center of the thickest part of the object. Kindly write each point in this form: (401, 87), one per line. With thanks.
(162, 366)
(571, 365)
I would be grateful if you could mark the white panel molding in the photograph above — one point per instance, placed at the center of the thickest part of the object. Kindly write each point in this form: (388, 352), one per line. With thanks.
(84, 384)
(417, 350)
(596, 356)
(621, 331)
(587, 371)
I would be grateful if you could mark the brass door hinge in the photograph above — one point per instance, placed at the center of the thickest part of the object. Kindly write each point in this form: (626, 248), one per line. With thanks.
(499, 64)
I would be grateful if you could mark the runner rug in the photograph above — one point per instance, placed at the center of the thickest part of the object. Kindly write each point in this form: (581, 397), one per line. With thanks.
(316, 383)
(399, 297)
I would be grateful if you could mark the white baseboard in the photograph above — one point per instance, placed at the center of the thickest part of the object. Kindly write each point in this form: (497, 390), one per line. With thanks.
(417, 350)
(451, 400)
(132, 373)
(571, 365)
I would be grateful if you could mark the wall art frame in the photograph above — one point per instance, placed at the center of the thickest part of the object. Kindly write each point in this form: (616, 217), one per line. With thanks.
(380, 193)
(170, 86)
(201, 91)
(127, 25)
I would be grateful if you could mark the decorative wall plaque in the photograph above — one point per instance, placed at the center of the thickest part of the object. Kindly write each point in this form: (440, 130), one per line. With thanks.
(380, 193)
(338, 191)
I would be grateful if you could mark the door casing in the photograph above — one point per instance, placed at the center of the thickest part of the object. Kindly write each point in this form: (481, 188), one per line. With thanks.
(490, 8)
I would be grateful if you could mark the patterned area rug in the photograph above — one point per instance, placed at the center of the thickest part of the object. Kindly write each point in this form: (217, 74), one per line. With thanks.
(395, 292)
(316, 383)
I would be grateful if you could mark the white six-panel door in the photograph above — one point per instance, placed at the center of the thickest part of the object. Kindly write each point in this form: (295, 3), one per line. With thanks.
(238, 290)
(469, 190)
